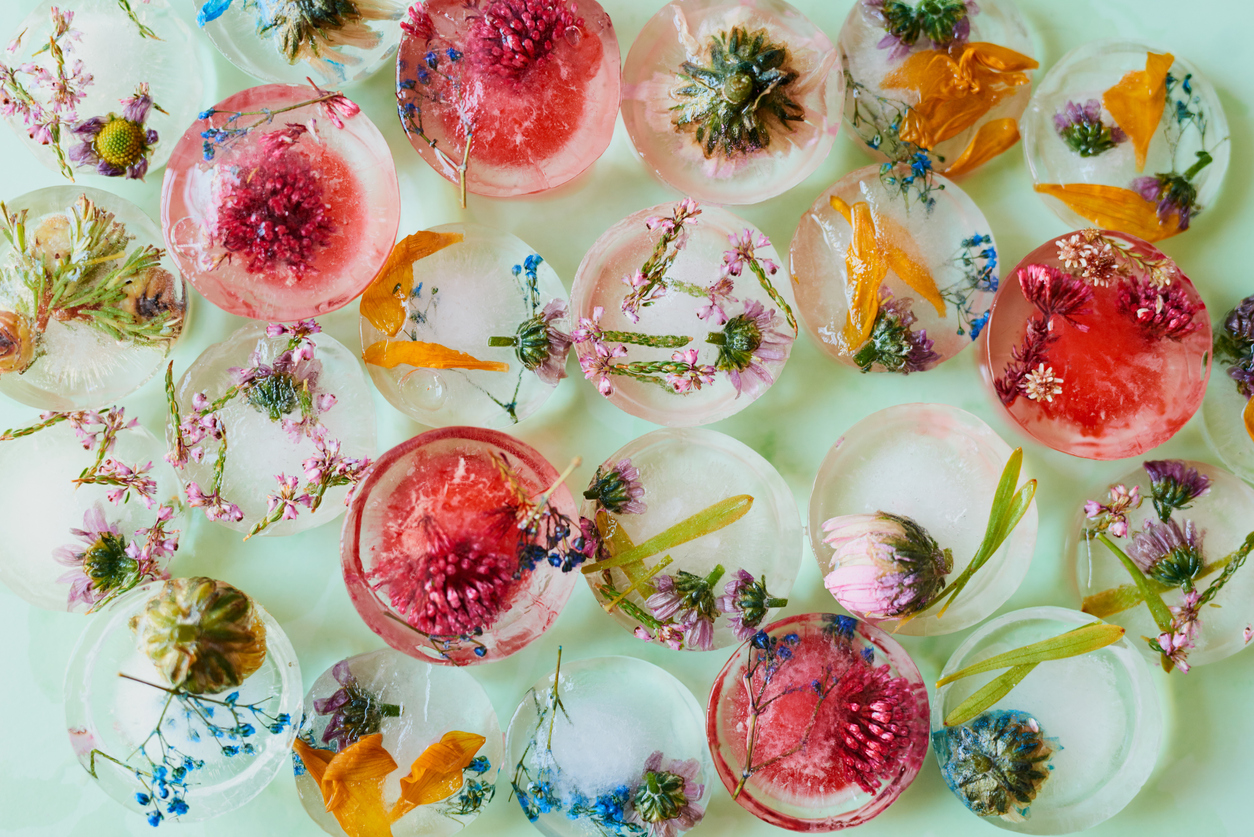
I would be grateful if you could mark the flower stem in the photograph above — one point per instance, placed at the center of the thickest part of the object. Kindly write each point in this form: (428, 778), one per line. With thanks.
(619, 599)
(1203, 160)
(144, 31)
(660, 341)
(502, 341)
(774, 294)
(1153, 600)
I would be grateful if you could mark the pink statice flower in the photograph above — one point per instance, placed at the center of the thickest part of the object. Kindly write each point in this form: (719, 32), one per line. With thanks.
(687, 375)
(285, 502)
(600, 364)
(1112, 516)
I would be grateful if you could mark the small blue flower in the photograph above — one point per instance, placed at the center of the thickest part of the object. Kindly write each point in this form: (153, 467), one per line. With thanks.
(480, 651)
(453, 55)
(154, 819)
(479, 764)
(205, 114)
(143, 798)
(868, 654)
(231, 751)
(231, 698)
(211, 11)
(978, 324)
(432, 60)
(177, 808)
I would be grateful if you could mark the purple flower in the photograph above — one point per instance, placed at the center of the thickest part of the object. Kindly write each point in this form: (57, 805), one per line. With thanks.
(601, 363)
(1082, 129)
(1173, 194)
(216, 508)
(355, 712)
(689, 375)
(1185, 627)
(101, 564)
(1168, 553)
(687, 601)
(1174, 484)
(1161, 312)
(746, 345)
(667, 799)
(884, 566)
(618, 489)
(1113, 515)
(742, 253)
(284, 504)
(118, 145)
(719, 297)
(1055, 293)
(747, 602)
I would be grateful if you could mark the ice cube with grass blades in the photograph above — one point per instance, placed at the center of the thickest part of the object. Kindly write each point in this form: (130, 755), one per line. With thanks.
(1068, 746)
(919, 522)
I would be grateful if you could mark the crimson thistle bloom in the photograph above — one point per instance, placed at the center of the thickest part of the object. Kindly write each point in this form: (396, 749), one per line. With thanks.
(884, 566)
(118, 145)
(1055, 293)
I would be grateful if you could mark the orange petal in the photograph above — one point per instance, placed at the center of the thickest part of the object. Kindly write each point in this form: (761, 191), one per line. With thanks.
(999, 58)
(1248, 416)
(992, 139)
(383, 303)
(902, 255)
(352, 784)
(392, 353)
(1113, 208)
(1136, 103)
(865, 270)
(437, 773)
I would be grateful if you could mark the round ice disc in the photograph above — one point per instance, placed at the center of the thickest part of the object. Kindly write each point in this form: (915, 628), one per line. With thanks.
(818, 723)
(674, 327)
(731, 102)
(337, 42)
(462, 546)
(90, 305)
(1084, 320)
(191, 750)
(1128, 136)
(288, 410)
(609, 745)
(1075, 739)
(503, 113)
(478, 335)
(425, 718)
(932, 278)
(76, 556)
(133, 75)
(281, 203)
(1228, 418)
(716, 530)
(937, 83)
(1183, 524)
(938, 467)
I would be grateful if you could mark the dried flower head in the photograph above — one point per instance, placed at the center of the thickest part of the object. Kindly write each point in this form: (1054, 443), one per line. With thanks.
(688, 600)
(884, 566)
(893, 344)
(1082, 129)
(101, 564)
(618, 489)
(541, 346)
(1174, 484)
(881, 719)
(118, 145)
(1168, 553)
(17, 346)
(508, 38)
(747, 601)
(667, 799)
(1161, 312)
(355, 712)
(1055, 293)
(204, 636)
(747, 342)
(939, 23)
(1041, 384)
(1112, 516)
(996, 764)
(1089, 255)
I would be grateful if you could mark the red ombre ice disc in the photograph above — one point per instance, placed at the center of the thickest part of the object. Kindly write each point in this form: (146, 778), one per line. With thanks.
(456, 551)
(281, 217)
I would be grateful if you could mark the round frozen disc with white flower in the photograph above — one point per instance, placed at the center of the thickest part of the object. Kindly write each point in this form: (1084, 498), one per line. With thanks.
(79, 553)
(337, 42)
(1123, 134)
(291, 414)
(182, 699)
(681, 315)
(434, 722)
(610, 745)
(732, 102)
(474, 332)
(1185, 525)
(928, 466)
(887, 282)
(131, 76)
(90, 303)
(1092, 721)
(715, 534)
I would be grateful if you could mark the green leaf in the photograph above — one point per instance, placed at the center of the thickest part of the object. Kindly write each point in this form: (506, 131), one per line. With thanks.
(987, 695)
(1153, 599)
(711, 519)
(1073, 643)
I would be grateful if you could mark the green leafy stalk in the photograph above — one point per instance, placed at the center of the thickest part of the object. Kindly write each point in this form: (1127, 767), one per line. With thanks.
(711, 519)
(1020, 663)
(1152, 598)
(660, 341)
(1008, 509)
(55, 418)
(144, 31)
(773, 294)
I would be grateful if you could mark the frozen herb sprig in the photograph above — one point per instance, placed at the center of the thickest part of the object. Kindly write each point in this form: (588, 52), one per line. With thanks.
(144, 31)
(335, 106)
(649, 283)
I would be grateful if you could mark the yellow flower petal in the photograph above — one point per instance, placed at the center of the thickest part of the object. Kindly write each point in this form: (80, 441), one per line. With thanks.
(392, 353)
(1136, 103)
(351, 782)
(954, 94)
(1113, 208)
(865, 269)
(437, 773)
(1248, 416)
(383, 302)
(902, 255)
(992, 139)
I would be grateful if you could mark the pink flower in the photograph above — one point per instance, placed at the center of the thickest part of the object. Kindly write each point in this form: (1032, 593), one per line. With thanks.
(1113, 515)
(287, 499)
(601, 363)
(719, 295)
(883, 566)
(337, 106)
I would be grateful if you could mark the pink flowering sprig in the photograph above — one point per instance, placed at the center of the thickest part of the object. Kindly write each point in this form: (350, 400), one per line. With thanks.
(1112, 516)
(326, 470)
(335, 106)
(743, 254)
(649, 283)
(65, 86)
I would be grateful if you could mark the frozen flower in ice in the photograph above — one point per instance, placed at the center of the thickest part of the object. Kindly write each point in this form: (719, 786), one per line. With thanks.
(997, 763)
(1168, 553)
(1234, 344)
(666, 802)
(601, 364)
(589, 328)
(419, 26)
(1161, 312)
(688, 600)
(719, 297)
(215, 506)
(540, 345)
(1172, 194)
(1113, 516)
(101, 564)
(880, 719)
(354, 712)
(1174, 484)
(1176, 644)
(747, 601)
(686, 374)
(299, 330)
(618, 489)
(125, 479)
(285, 385)
(17, 345)
(747, 342)
(884, 566)
(1055, 293)
(287, 499)
(1089, 255)
(509, 37)
(939, 23)
(1041, 384)
(118, 145)
(1082, 129)
(893, 344)
(742, 253)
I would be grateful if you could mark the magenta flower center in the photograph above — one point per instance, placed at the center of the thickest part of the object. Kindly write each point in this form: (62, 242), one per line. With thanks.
(511, 36)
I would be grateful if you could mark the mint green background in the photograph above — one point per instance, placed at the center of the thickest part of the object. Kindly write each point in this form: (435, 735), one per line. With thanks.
(1202, 783)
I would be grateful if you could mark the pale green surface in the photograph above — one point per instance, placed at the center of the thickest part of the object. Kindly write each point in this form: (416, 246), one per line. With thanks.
(1201, 786)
